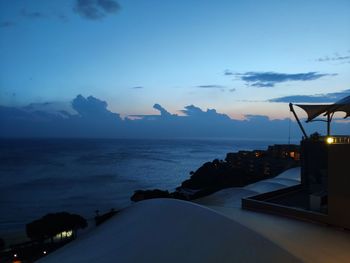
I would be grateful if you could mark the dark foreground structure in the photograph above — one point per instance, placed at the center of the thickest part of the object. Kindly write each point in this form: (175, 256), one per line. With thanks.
(324, 193)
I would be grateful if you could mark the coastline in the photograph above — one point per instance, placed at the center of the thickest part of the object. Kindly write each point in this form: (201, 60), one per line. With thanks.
(238, 169)
(40, 176)
(18, 235)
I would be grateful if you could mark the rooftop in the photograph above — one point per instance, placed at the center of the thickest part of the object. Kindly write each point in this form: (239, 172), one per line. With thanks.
(215, 229)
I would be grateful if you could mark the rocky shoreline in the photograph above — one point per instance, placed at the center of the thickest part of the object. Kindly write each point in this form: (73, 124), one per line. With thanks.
(237, 170)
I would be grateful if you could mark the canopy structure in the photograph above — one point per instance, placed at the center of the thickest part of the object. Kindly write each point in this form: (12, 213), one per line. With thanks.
(315, 110)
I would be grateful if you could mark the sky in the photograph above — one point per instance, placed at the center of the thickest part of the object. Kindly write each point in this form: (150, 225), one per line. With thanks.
(238, 57)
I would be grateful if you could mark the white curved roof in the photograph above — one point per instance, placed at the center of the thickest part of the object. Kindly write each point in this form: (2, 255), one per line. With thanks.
(231, 197)
(168, 230)
(283, 181)
(263, 187)
(292, 174)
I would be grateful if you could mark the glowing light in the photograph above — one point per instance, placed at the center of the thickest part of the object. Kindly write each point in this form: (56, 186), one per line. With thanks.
(44, 252)
(64, 234)
(330, 140)
(15, 255)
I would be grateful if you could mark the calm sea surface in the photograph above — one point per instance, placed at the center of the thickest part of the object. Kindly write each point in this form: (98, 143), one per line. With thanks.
(81, 175)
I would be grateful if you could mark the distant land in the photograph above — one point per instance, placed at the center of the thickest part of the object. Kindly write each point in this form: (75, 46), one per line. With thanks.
(90, 118)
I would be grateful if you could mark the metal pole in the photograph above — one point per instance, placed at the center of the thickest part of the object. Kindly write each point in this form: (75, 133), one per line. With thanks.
(328, 124)
(296, 117)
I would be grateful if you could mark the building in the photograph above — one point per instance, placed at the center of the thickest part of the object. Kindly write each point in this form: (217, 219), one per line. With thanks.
(324, 192)
(265, 163)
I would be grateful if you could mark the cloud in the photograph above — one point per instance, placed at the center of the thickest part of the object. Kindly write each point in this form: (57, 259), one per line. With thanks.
(36, 15)
(163, 112)
(92, 119)
(192, 110)
(317, 98)
(335, 58)
(109, 6)
(263, 84)
(211, 114)
(138, 87)
(50, 107)
(92, 108)
(210, 87)
(270, 79)
(7, 24)
(228, 73)
(32, 14)
(232, 90)
(96, 9)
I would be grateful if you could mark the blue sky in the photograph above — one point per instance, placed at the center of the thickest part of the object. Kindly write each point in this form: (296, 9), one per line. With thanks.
(234, 56)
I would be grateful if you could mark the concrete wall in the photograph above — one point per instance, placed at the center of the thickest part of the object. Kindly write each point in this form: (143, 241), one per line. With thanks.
(339, 184)
(314, 165)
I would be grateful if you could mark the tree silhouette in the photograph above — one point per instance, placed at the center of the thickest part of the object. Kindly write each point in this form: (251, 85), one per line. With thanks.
(52, 224)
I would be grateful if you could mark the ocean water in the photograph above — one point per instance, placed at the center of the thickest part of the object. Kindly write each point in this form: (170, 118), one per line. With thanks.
(38, 176)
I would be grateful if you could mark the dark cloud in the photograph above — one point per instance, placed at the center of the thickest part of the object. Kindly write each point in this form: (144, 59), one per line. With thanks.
(270, 79)
(92, 108)
(109, 6)
(96, 9)
(164, 114)
(92, 119)
(192, 110)
(210, 87)
(138, 87)
(317, 98)
(32, 14)
(163, 111)
(50, 107)
(7, 24)
(198, 113)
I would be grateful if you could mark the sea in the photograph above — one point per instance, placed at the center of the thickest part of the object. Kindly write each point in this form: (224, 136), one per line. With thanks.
(40, 176)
